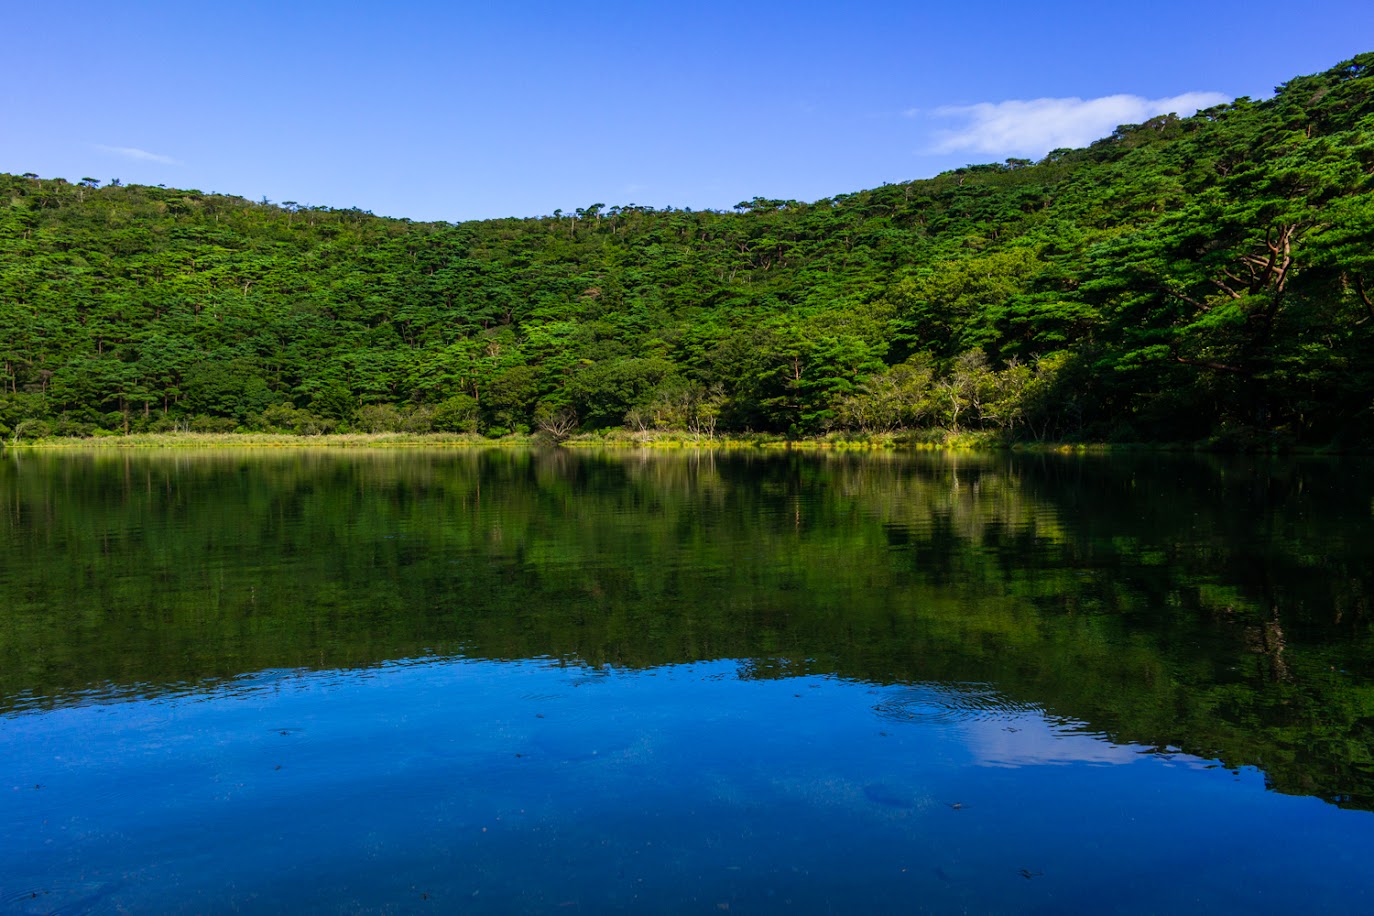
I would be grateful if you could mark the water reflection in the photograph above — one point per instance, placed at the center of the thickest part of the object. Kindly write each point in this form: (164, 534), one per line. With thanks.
(952, 703)
(544, 786)
(1221, 607)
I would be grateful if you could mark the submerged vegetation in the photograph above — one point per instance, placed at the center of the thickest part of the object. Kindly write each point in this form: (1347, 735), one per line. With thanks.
(1208, 278)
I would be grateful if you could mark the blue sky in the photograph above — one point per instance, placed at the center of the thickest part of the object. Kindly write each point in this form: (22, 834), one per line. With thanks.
(461, 110)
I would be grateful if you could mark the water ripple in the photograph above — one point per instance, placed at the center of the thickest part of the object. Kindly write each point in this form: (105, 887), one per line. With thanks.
(952, 703)
(63, 898)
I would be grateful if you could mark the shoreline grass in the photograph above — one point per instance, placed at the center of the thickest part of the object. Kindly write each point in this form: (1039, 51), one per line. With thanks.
(266, 440)
(921, 440)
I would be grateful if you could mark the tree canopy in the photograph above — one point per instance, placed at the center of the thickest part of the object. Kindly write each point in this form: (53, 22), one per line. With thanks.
(1200, 278)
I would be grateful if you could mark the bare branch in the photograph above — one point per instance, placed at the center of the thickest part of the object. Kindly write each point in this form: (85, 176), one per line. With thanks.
(1364, 297)
(1208, 364)
(1226, 289)
(1182, 297)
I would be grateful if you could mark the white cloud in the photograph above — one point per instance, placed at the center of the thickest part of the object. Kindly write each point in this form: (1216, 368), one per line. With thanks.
(1036, 126)
(138, 155)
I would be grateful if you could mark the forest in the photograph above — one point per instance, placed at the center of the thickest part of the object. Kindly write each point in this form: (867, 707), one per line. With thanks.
(1205, 279)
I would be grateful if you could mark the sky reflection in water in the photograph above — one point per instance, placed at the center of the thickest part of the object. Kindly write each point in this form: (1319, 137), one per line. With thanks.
(502, 786)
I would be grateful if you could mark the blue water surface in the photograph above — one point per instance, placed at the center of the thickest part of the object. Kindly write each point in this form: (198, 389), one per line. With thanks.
(450, 784)
(548, 682)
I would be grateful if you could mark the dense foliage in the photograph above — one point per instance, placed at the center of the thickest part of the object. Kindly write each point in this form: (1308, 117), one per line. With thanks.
(1209, 277)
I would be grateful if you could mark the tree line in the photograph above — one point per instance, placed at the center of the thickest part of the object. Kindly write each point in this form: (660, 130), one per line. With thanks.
(1201, 278)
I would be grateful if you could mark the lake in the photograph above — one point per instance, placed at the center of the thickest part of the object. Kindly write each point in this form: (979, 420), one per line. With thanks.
(564, 681)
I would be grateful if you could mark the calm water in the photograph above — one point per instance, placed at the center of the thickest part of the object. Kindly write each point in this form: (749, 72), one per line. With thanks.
(429, 682)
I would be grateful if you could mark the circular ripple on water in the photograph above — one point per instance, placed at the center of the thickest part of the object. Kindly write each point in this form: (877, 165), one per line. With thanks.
(952, 703)
(88, 897)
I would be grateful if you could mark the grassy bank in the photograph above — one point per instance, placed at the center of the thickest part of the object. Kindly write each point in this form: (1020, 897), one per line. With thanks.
(267, 440)
(608, 439)
(626, 439)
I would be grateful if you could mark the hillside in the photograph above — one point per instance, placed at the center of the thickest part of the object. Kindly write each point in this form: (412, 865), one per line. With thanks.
(1204, 278)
